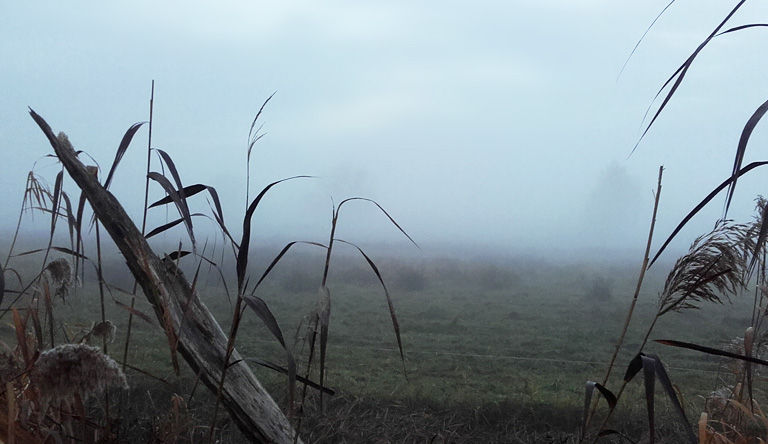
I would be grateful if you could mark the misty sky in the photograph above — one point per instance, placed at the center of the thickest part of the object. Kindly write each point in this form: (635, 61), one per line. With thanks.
(501, 124)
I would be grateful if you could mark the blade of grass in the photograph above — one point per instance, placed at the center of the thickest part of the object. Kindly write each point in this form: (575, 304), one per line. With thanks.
(218, 214)
(390, 305)
(649, 377)
(280, 256)
(643, 37)
(179, 200)
(64, 250)
(680, 73)
(285, 371)
(710, 350)
(242, 254)
(144, 317)
(56, 201)
(741, 148)
(265, 314)
(188, 191)
(669, 389)
(391, 219)
(702, 204)
(121, 149)
(590, 388)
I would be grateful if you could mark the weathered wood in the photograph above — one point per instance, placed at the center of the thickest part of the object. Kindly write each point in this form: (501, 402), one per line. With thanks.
(201, 341)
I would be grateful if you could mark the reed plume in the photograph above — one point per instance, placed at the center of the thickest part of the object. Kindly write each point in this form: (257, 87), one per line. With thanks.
(61, 276)
(714, 267)
(63, 372)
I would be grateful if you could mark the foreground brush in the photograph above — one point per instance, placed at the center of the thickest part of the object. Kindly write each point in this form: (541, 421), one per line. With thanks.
(718, 265)
(199, 338)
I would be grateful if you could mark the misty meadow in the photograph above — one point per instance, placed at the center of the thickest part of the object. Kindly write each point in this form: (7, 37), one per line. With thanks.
(323, 224)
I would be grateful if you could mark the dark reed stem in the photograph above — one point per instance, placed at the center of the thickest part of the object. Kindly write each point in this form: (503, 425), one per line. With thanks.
(143, 224)
(633, 304)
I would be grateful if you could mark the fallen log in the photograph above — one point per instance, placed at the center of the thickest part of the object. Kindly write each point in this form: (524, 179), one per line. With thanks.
(201, 341)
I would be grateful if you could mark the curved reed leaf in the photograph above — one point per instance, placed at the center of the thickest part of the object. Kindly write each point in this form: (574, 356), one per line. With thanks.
(710, 351)
(390, 305)
(174, 172)
(284, 371)
(653, 368)
(680, 73)
(70, 217)
(56, 200)
(218, 214)
(607, 394)
(174, 255)
(265, 314)
(742, 148)
(163, 228)
(242, 253)
(280, 256)
(391, 219)
(146, 318)
(64, 250)
(643, 37)
(79, 220)
(669, 389)
(182, 199)
(181, 203)
(704, 203)
(189, 191)
(121, 149)
(635, 365)
(649, 378)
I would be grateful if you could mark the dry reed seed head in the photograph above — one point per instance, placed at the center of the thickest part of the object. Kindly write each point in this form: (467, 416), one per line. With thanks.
(105, 330)
(69, 369)
(64, 140)
(61, 275)
(714, 267)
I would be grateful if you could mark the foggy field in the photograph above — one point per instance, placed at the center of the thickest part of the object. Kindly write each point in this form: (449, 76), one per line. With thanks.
(492, 278)
(495, 350)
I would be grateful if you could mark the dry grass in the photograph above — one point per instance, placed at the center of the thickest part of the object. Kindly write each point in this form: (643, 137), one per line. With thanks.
(34, 306)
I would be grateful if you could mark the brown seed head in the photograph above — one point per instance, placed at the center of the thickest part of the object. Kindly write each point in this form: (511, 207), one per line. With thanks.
(69, 369)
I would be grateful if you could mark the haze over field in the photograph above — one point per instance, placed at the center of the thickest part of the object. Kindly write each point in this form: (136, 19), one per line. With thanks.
(499, 125)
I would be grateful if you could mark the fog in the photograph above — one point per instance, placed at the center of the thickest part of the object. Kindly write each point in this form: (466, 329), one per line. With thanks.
(502, 127)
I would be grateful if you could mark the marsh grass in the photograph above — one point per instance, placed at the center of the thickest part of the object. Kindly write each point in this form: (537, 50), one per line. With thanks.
(718, 266)
(34, 309)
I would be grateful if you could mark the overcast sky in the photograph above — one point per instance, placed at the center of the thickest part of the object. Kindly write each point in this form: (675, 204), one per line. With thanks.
(497, 123)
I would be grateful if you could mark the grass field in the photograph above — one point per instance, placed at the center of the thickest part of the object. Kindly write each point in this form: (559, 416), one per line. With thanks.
(496, 350)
